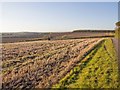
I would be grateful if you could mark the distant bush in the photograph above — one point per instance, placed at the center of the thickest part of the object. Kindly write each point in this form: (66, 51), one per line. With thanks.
(117, 31)
(118, 23)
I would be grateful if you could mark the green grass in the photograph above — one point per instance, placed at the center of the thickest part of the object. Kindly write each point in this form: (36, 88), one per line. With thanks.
(97, 70)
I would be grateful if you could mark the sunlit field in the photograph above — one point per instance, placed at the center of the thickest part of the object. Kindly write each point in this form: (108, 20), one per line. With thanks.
(60, 63)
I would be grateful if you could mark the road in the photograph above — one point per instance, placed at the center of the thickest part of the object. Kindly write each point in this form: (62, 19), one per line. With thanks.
(116, 43)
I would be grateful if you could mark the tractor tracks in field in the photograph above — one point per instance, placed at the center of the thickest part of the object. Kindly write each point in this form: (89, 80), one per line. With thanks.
(44, 73)
(94, 46)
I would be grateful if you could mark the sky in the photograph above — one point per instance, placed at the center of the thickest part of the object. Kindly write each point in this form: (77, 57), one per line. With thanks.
(58, 16)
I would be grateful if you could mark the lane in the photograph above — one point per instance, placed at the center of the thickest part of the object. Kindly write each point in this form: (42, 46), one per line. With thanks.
(116, 43)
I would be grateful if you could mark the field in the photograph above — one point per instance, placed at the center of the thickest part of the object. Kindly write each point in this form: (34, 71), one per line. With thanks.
(59, 60)
(41, 63)
(59, 63)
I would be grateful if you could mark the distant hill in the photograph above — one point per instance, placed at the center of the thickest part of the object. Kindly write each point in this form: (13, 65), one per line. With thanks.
(94, 31)
(34, 36)
(20, 34)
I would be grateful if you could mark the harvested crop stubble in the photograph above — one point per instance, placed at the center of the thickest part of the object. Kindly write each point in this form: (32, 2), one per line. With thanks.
(43, 63)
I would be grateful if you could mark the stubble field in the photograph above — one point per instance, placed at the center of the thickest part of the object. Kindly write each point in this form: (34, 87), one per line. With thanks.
(41, 64)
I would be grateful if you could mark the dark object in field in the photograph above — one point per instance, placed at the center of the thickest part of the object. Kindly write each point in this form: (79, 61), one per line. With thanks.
(49, 39)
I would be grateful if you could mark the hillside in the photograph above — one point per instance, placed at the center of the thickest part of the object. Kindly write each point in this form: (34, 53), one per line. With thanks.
(35, 36)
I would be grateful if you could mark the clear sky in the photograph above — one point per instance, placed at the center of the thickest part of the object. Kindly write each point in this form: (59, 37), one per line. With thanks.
(58, 16)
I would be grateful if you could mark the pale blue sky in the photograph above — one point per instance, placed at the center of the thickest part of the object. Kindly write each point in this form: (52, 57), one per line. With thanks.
(58, 17)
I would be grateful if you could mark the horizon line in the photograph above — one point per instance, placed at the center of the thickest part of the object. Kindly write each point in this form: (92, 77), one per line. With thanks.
(60, 31)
